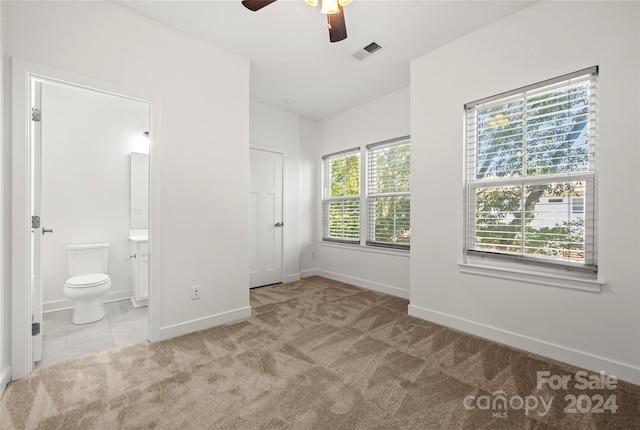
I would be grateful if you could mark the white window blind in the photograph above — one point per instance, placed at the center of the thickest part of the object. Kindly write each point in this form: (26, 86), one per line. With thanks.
(531, 169)
(389, 193)
(341, 196)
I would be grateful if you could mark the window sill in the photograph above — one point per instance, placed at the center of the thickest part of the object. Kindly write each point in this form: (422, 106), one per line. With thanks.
(366, 248)
(550, 279)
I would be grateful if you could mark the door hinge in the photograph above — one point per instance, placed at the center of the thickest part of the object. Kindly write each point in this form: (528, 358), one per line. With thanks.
(35, 221)
(35, 329)
(36, 114)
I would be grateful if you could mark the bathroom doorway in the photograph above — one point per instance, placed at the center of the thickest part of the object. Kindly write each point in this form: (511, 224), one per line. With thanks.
(89, 141)
(78, 181)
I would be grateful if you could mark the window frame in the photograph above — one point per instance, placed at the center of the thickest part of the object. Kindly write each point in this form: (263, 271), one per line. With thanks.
(504, 259)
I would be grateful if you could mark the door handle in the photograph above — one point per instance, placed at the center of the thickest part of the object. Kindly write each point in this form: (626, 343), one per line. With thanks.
(279, 224)
(44, 231)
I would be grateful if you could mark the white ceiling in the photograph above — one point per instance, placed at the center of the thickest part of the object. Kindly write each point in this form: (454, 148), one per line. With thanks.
(291, 57)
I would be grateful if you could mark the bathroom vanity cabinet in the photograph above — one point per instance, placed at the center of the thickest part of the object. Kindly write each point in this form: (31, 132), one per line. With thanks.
(139, 270)
(138, 229)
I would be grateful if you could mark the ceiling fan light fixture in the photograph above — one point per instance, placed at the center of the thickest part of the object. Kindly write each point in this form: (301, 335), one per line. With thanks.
(329, 7)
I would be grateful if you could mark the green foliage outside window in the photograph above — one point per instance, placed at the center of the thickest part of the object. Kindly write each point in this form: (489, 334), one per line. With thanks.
(342, 214)
(345, 176)
(390, 173)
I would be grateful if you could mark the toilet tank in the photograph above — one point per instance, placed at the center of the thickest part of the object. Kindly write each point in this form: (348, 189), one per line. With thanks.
(88, 258)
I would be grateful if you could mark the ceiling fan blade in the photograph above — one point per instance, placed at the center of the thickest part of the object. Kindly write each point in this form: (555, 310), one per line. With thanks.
(255, 5)
(337, 26)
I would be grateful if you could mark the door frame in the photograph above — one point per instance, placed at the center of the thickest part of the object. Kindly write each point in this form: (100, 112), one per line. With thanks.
(283, 153)
(21, 301)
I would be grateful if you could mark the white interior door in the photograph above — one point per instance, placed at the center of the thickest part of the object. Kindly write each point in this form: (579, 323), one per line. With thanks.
(36, 228)
(266, 224)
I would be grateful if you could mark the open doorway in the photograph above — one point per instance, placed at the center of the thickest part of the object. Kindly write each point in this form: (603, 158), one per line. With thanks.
(78, 182)
(93, 160)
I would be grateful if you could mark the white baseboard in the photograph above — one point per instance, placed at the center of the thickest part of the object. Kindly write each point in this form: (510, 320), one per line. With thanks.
(204, 323)
(5, 378)
(59, 305)
(292, 277)
(622, 371)
(370, 285)
(308, 273)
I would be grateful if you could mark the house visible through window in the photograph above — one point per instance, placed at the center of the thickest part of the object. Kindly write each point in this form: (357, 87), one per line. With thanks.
(530, 174)
(385, 193)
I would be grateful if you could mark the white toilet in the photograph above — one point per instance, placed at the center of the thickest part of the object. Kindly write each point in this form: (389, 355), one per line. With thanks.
(88, 280)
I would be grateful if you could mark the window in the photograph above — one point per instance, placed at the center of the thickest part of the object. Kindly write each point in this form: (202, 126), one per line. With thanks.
(379, 188)
(341, 196)
(578, 205)
(389, 193)
(525, 151)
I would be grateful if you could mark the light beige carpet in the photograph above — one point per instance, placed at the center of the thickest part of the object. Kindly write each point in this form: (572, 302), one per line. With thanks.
(316, 354)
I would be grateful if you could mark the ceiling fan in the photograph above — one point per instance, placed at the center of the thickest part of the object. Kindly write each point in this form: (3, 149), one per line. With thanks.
(332, 8)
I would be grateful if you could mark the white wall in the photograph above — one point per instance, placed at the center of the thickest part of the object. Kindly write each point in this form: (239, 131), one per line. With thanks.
(309, 188)
(381, 119)
(599, 331)
(279, 130)
(5, 210)
(87, 138)
(203, 135)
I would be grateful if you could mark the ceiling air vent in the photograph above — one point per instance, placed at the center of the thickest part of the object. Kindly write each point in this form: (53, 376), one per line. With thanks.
(367, 51)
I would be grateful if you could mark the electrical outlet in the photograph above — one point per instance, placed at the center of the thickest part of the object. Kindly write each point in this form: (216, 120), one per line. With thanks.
(195, 292)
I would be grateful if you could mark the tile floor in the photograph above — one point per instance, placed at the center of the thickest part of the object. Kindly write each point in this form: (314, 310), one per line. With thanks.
(122, 325)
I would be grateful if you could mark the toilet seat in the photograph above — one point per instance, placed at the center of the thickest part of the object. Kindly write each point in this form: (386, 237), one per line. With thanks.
(85, 281)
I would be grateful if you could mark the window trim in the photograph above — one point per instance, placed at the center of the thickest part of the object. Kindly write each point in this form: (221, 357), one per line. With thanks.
(362, 248)
(552, 279)
(515, 262)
